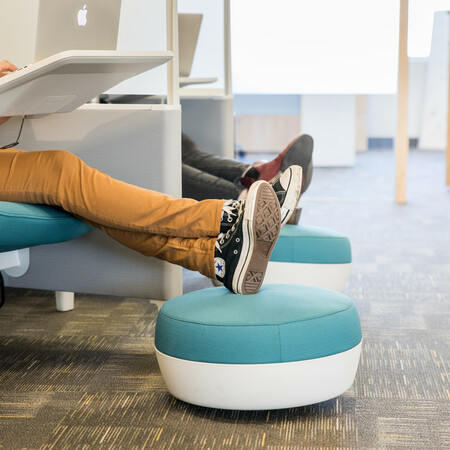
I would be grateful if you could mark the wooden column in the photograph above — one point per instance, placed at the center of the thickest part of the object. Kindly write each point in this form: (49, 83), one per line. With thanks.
(448, 132)
(227, 46)
(173, 74)
(402, 139)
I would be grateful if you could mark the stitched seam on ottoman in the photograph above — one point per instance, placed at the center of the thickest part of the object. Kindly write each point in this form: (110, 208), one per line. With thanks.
(252, 325)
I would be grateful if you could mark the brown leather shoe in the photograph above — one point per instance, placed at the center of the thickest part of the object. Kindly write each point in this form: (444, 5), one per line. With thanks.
(297, 153)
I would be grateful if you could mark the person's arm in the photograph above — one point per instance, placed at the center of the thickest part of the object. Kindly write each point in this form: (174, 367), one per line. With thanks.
(5, 68)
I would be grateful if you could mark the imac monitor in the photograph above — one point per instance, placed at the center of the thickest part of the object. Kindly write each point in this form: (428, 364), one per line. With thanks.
(188, 30)
(76, 25)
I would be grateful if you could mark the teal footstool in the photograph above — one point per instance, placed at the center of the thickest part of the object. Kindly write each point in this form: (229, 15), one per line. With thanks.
(310, 256)
(283, 347)
(25, 225)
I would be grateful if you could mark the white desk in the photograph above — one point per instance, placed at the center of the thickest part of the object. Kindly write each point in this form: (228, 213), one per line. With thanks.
(67, 80)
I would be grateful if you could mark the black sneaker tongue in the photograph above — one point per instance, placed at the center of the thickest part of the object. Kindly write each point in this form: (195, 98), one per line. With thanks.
(281, 195)
(228, 220)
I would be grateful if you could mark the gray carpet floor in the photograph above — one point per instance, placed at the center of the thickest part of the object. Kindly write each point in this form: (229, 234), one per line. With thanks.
(89, 378)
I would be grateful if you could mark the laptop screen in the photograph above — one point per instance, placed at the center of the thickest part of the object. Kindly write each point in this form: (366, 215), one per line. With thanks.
(76, 25)
(188, 30)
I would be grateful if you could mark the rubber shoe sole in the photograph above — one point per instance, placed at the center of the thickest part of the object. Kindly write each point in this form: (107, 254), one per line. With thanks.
(292, 184)
(260, 229)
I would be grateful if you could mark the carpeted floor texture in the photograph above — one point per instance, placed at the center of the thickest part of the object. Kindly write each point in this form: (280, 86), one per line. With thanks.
(89, 378)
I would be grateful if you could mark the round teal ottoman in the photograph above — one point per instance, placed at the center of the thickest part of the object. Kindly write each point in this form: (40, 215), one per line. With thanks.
(26, 225)
(311, 256)
(283, 347)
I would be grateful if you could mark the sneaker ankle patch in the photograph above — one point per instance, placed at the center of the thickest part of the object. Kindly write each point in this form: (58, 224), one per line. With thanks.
(219, 267)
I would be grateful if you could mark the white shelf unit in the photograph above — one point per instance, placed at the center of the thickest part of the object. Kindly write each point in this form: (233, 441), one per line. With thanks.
(208, 114)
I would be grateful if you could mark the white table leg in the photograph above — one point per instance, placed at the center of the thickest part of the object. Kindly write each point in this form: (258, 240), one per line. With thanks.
(64, 301)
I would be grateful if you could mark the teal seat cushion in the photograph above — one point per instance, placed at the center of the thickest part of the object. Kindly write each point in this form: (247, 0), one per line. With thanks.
(311, 245)
(23, 225)
(281, 323)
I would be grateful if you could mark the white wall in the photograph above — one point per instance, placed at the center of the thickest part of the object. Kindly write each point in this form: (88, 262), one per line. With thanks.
(314, 47)
(209, 54)
(428, 96)
(433, 132)
(382, 109)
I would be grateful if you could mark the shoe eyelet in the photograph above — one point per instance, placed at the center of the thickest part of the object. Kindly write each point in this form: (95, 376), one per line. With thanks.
(235, 252)
(238, 240)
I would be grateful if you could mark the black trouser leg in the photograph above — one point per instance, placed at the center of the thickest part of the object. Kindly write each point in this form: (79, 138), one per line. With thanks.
(201, 185)
(221, 167)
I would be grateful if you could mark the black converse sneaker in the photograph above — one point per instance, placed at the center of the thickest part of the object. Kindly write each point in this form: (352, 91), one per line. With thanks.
(287, 188)
(252, 227)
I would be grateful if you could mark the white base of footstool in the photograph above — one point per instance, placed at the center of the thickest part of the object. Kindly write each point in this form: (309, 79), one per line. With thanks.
(328, 276)
(259, 386)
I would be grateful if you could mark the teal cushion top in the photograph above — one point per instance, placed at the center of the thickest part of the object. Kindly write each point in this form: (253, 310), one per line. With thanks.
(281, 323)
(311, 245)
(23, 225)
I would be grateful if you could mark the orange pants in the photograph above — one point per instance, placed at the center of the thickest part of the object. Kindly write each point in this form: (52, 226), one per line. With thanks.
(181, 231)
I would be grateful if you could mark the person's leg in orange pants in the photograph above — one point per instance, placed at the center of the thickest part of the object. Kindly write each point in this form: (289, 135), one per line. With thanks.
(231, 241)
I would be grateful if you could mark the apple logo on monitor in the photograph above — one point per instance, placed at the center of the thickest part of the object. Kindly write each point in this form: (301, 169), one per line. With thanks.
(82, 19)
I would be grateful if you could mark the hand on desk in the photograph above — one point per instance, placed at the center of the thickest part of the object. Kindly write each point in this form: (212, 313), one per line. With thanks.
(5, 68)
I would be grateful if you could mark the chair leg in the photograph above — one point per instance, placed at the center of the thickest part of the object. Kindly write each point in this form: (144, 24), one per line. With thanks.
(64, 301)
(158, 303)
(2, 290)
